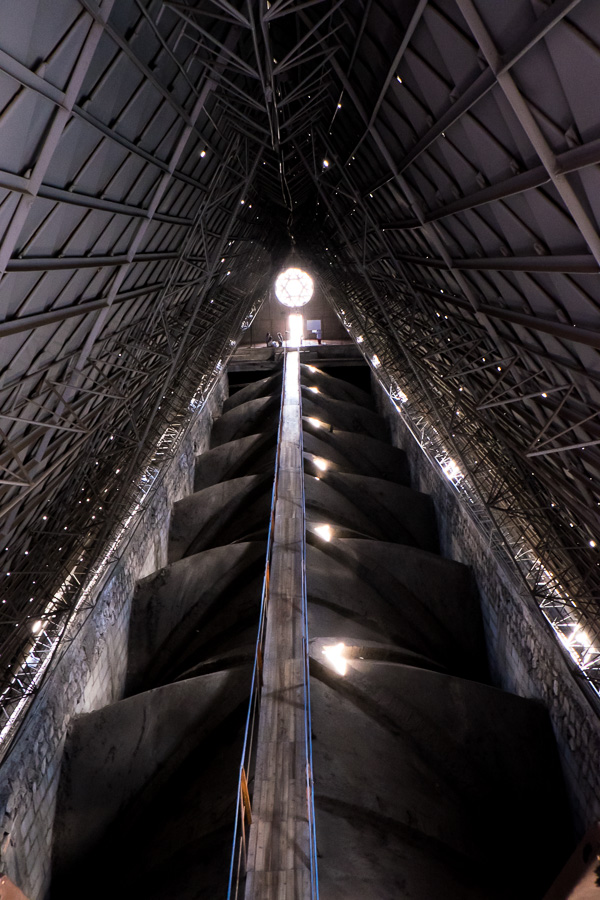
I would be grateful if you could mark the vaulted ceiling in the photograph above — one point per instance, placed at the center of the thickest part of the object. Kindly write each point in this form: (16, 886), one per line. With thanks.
(434, 162)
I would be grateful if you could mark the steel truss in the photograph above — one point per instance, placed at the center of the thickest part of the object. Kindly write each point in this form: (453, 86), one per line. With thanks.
(447, 158)
(525, 523)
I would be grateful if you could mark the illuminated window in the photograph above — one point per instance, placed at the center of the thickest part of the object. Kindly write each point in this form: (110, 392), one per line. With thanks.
(294, 287)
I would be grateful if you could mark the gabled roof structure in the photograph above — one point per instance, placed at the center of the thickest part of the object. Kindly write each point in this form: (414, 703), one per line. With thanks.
(435, 163)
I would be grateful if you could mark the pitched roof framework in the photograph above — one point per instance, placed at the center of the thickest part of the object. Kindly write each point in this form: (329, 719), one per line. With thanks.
(152, 153)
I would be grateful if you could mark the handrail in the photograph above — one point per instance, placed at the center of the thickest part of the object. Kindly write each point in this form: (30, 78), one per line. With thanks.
(310, 793)
(239, 833)
(243, 807)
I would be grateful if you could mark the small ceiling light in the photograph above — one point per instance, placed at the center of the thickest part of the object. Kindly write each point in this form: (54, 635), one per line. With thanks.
(203, 153)
(324, 531)
(451, 470)
(316, 423)
(37, 626)
(398, 79)
(335, 655)
(294, 287)
(315, 390)
(592, 544)
(321, 464)
(325, 163)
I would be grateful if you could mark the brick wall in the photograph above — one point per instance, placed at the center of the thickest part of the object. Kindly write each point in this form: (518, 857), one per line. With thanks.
(524, 655)
(89, 675)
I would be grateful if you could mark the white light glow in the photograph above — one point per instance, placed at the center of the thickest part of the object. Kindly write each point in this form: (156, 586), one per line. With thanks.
(316, 423)
(320, 463)
(315, 390)
(335, 656)
(294, 287)
(311, 368)
(376, 362)
(37, 626)
(296, 330)
(451, 470)
(324, 531)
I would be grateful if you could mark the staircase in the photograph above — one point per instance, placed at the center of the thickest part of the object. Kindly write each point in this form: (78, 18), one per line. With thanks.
(429, 783)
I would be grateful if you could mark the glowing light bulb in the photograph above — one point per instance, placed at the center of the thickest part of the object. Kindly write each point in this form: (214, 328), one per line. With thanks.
(322, 465)
(324, 531)
(335, 656)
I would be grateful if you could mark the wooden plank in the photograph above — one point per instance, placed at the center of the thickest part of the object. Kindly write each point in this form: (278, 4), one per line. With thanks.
(279, 840)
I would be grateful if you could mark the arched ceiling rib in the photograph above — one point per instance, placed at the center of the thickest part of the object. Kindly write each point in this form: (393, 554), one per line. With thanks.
(154, 157)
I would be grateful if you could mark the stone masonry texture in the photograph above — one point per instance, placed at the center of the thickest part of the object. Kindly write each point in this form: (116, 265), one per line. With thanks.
(524, 655)
(88, 675)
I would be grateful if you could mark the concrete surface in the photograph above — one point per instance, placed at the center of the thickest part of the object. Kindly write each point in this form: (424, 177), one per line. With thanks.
(196, 608)
(219, 514)
(251, 455)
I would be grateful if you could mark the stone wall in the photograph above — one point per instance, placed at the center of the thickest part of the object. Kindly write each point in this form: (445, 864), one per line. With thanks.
(89, 674)
(524, 654)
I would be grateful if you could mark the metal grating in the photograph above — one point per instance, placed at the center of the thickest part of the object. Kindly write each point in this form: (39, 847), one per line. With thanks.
(437, 161)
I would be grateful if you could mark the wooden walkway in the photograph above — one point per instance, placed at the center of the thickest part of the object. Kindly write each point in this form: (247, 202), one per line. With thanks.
(278, 863)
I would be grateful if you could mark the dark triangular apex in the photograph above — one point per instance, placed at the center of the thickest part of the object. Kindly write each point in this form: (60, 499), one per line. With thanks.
(381, 509)
(335, 388)
(409, 597)
(148, 783)
(200, 606)
(227, 511)
(265, 387)
(357, 453)
(261, 414)
(432, 786)
(343, 415)
(325, 504)
(364, 648)
(251, 455)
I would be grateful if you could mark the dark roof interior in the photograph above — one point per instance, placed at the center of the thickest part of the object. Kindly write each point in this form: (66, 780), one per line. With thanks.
(434, 163)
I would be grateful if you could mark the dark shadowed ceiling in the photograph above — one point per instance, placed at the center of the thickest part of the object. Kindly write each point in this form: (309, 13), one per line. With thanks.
(436, 164)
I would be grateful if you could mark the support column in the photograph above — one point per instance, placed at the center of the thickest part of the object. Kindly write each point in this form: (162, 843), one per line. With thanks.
(279, 847)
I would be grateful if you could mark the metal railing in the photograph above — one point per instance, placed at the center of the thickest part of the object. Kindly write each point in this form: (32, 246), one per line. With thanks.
(310, 793)
(243, 817)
